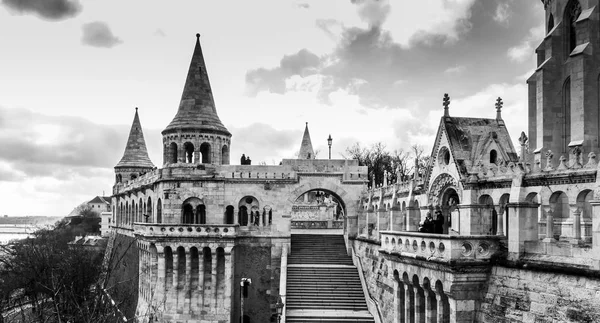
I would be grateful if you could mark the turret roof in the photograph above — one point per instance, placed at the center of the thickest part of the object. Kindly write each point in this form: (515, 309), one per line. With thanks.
(136, 154)
(306, 149)
(197, 107)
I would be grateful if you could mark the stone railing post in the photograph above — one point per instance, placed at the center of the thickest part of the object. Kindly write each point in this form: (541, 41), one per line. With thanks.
(523, 226)
(500, 225)
(549, 224)
(576, 231)
(440, 307)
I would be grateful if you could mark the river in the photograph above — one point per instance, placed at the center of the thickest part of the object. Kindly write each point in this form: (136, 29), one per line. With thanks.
(10, 232)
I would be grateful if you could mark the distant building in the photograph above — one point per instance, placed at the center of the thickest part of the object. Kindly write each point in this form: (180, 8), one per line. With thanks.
(100, 204)
(105, 223)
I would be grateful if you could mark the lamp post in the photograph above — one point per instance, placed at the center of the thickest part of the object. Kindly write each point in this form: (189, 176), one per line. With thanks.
(279, 307)
(329, 140)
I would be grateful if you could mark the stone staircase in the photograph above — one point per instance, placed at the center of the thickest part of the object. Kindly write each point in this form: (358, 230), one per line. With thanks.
(323, 285)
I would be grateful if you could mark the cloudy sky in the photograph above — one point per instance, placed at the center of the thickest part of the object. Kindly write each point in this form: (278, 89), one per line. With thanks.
(72, 73)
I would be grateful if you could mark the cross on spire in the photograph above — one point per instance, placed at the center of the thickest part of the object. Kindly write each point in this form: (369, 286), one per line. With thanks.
(446, 104)
(499, 105)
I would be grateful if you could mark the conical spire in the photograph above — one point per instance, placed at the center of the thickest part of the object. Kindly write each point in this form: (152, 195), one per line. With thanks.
(197, 108)
(136, 154)
(306, 149)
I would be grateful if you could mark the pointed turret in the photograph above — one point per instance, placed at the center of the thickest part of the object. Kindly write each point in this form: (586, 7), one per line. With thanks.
(306, 149)
(135, 158)
(197, 109)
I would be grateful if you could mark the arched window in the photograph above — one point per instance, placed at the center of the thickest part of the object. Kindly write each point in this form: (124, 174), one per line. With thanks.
(229, 214)
(188, 214)
(173, 153)
(189, 152)
(149, 210)
(566, 114)
(572, 12)
(550, 23)
(493, 156)
(201, 214)
(158, 211)
(225, 155)
(205, 151)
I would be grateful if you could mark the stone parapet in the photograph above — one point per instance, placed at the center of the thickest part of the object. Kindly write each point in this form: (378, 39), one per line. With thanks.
(186, 230)
(440, 247)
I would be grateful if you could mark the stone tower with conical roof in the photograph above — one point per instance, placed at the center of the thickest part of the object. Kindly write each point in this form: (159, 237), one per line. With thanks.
(196, 134)
(306, 148)
(135, 159)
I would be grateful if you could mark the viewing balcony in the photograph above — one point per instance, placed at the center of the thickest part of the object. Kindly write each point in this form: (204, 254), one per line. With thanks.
(440, 247)
(161, 230)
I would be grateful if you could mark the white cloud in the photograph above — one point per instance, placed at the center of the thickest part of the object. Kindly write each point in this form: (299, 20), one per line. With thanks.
(525, 49)
(457, 69)
(502, 14)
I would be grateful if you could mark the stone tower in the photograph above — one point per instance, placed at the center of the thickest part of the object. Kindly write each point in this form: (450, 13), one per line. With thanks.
(135, 159)
(196, 134)
(306, 149)
(564, 90)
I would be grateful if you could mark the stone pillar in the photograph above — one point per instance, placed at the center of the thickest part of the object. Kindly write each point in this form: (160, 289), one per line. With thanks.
(408, 303)
(383, 221)
(522, 226)
(174, 292)
(214, 282)
(397, 314)
(200, 278)
(549, 224)
(500, 224)
(429, 309)
(440, 308)
(576, 231)
(188, 282)
(160, 288)
(228, 281)
(418, 304)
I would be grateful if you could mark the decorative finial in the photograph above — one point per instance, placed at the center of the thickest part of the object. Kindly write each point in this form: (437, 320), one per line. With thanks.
(197, 36)
(307, 124)
(499, 105)
(135, 109)
(446, 104)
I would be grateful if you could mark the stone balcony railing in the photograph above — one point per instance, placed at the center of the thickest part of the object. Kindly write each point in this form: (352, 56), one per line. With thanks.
(186, 230)
(440, 247)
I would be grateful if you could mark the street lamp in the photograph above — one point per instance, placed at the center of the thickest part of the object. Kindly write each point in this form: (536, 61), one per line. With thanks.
(329, 140)
(279, 307)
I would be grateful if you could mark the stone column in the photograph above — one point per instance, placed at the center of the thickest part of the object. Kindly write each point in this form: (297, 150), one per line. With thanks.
(159, 295)
(397, 314)
(228, 280)
(549, 224)
(408, 304)
(383, 220)
(188, 281)
(200, 278)
(576, 231)
(174, 292)
(429, 309)
(418, 304)
(440, 308)
(500, 224)
(214, 282)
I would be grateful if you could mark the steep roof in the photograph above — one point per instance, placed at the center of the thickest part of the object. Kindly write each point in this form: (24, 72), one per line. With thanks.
(197, 109)
(306, 149)
(100, 199)
(136, 154)
(470, 136)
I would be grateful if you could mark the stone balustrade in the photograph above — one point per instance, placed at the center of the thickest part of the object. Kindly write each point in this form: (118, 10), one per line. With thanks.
(186, 230)
(440, 247)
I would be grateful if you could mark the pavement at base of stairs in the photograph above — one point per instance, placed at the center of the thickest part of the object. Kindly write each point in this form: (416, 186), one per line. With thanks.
(336, 232)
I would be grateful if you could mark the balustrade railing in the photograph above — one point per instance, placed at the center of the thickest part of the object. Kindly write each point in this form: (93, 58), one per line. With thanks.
(185, 230)
(439, 246)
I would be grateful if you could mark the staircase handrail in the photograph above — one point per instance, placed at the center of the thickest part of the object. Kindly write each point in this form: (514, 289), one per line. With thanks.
(370, 300)
(283, 280)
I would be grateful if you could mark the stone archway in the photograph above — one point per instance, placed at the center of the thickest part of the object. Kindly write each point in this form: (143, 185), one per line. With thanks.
(319, 206)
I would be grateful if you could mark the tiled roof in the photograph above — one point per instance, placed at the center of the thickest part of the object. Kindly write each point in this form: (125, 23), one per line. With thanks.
(136, 154)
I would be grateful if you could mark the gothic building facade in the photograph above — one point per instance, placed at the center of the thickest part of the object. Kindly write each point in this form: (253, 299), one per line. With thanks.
(517, 230)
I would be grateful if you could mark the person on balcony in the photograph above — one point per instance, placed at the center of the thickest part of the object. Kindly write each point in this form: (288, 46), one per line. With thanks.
(438, 223)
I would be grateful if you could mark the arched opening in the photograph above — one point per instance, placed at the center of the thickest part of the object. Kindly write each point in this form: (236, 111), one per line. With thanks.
(220, 274)
(445, 304)
(158, 211)
(248, 210)
(194, 274)
(566, 115)
(133, 176)
(205, 151)
(419, 300)
(189, 152)
(190, 210)
(149, 210)
(320, 205)
(493, 156)
(559, 204)
(119, 178)
(229, 214)
(181, 270)
(584, 206)
(169, 266)
(141, 212)
(572, 12)
(225, 155)
(173, 153)
(207, 260)
(399, 299)
(449, 211)
(550, 23)
(504, 212)
(201, 214)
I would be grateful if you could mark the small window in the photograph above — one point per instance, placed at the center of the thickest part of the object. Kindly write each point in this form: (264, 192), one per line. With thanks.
(493, 156)
(444, 156)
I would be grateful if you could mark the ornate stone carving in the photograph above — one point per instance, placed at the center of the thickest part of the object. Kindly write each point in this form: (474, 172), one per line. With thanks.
(439, 184)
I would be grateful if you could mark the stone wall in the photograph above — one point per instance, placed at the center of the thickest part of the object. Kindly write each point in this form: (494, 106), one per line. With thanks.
(518, 295)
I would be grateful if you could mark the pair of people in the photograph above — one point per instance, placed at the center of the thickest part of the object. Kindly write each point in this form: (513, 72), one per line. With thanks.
(431, 225)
